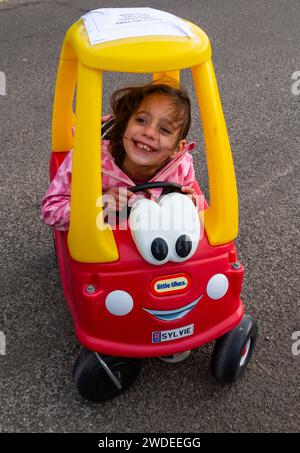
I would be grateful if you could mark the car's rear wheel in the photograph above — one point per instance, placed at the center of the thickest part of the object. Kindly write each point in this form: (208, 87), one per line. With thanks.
(100, 377)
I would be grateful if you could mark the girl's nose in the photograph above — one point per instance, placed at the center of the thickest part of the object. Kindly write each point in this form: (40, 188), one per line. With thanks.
(150, 131)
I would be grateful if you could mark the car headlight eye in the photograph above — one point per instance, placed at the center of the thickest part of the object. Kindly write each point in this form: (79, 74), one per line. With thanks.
(159, 249)
(183, 246)
(166, 231)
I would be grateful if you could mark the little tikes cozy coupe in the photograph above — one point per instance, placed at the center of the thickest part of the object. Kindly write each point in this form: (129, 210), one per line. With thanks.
(133, 293)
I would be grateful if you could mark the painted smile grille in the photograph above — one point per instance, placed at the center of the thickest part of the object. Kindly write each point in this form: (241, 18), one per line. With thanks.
(171, 315)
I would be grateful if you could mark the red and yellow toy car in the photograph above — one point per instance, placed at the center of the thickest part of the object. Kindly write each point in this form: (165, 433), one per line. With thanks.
(136, 292)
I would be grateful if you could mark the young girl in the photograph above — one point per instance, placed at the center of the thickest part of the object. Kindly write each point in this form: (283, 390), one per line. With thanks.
(145, 142)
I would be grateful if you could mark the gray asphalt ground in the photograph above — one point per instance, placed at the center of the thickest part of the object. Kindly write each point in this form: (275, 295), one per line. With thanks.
(255, 52)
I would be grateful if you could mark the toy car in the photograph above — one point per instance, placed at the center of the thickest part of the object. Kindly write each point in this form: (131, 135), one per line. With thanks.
(131, 297)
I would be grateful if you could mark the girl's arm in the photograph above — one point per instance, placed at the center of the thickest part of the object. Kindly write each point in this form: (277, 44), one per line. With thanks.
(55, 209)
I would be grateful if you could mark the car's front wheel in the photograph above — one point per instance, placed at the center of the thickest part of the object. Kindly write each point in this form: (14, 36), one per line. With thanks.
(232, 352)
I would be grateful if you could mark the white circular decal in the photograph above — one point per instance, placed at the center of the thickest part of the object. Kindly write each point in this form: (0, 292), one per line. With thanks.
(217, 286)
(119, 303)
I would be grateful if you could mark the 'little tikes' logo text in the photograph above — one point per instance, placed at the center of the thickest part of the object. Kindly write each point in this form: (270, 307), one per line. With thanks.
(170, 284)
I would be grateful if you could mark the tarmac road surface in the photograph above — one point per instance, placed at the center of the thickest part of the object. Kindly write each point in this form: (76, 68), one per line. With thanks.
(256, 57)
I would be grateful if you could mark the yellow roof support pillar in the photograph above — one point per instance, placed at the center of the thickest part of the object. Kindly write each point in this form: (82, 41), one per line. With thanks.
(63, 116)
(163, 77)
(90, 241)
(221, 218)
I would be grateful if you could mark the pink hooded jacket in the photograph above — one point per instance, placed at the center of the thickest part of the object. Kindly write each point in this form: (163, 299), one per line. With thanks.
(55, 210)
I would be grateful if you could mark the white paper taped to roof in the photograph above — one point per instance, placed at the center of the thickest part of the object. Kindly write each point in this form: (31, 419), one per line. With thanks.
(109, 24)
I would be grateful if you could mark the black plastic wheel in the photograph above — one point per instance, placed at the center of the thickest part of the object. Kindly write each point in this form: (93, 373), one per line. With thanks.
(233, 351)
(100, 377)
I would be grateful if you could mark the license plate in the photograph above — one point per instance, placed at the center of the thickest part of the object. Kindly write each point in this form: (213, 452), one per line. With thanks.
(174, 334)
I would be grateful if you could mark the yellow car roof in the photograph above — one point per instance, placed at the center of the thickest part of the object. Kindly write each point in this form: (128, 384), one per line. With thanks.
(138, 55)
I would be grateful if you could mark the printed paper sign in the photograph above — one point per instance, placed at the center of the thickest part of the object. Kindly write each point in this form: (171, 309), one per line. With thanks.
(109, 24)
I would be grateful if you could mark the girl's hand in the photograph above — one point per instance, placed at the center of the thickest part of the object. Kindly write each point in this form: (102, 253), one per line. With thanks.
(117, 198)
(191, 193)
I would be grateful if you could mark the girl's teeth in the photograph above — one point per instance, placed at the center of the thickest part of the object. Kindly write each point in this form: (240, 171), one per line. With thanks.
(142, 146)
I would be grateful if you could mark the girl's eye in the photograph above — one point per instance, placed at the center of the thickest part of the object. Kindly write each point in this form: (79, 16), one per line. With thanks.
(140, 120)
(166, 131)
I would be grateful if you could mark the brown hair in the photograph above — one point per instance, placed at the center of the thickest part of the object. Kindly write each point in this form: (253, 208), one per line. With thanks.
(126, 101)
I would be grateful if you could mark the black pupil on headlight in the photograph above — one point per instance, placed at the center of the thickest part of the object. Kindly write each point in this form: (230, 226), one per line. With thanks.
(159, 249)
(183, 246)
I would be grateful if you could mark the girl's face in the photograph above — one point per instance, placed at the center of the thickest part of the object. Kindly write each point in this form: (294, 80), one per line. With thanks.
(151, 136)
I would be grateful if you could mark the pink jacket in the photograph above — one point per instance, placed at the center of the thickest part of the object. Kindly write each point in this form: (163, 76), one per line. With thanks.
(55, 210)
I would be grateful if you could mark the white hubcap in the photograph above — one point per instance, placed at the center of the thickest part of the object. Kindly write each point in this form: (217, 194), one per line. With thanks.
(245, 352)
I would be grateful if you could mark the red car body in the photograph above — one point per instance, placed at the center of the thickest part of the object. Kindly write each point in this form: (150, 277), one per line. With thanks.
(141, 333)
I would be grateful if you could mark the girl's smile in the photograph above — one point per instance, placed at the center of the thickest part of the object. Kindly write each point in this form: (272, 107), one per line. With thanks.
(144, 147)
